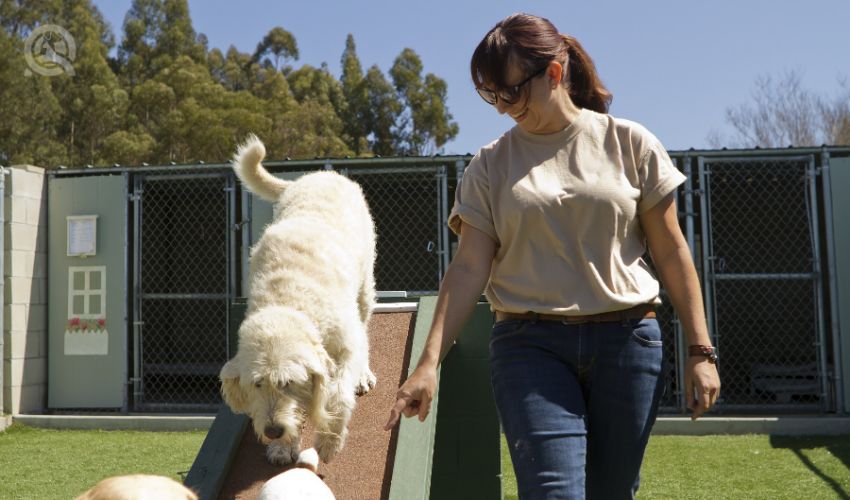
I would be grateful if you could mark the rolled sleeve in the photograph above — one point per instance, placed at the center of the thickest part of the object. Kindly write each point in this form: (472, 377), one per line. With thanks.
(658, 176)
(472, 200)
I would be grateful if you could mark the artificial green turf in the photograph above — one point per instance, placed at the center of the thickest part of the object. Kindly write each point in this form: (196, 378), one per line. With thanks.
(736, 467)
(47, 463)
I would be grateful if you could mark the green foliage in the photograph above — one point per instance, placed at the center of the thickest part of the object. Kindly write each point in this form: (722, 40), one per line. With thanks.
(166, 97)
(48, 464)
(426, 125)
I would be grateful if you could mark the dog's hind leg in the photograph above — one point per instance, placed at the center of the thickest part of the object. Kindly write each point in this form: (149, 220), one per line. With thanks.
(364, 379)
(366, 296)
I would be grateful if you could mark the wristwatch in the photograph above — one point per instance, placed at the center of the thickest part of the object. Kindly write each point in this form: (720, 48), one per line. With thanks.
(704, 350)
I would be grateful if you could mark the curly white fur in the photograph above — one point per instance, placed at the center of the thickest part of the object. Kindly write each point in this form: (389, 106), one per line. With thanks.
(303, 347)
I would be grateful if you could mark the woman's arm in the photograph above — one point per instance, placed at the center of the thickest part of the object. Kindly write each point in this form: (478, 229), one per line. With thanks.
(463, 283)
(675, 267)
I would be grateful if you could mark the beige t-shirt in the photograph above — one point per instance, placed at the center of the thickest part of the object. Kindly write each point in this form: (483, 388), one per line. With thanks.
(563, 209)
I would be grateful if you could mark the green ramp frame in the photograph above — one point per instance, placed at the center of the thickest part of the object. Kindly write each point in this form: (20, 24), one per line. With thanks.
(454, 458)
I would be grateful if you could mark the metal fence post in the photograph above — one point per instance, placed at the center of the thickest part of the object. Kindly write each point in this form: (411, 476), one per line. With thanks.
(837, 378)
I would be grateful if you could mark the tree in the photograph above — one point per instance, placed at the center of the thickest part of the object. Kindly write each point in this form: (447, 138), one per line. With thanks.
(29, 109)
(354, 116)
(279, 44)
(382, 113)
(425, 126)
(783, 113)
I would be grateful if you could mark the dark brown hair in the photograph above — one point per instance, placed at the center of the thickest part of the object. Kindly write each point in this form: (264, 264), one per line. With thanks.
(533, 42)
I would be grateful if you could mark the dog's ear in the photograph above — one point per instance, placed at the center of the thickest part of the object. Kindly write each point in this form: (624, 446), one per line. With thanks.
(231, 390)
(320, 366)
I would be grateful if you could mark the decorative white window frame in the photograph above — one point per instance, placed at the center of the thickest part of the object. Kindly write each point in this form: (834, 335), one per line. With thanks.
(85, 225)
(87, 291)
(85, 332)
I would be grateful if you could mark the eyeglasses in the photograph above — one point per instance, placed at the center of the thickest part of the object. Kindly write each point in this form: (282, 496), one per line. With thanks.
(511, 94)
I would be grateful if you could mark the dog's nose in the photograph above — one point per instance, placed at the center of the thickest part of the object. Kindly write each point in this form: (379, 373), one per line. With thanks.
(273, 431)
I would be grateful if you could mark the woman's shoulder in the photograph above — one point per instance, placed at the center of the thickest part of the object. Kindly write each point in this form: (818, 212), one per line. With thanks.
(488, 153)
(624, 128)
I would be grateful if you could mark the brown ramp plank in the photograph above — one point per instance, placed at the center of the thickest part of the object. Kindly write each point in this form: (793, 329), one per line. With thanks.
(364, 467)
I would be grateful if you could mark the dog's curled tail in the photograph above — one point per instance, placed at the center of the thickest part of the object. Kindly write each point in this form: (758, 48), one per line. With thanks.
(246, 164)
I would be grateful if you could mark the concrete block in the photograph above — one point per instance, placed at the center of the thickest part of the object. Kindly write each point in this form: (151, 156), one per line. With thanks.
(26, 399)
(28, 371)
(15, 317)
(15, 209)
(37, 318)
(27, 181)
(21, 263)
(39, 291)
(19, 290)
(39, 265)
(36, 212)
(22, 345)
(40, 238)
(23, 236)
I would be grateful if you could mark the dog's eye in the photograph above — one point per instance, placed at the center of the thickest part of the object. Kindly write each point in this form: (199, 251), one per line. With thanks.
(258, 384)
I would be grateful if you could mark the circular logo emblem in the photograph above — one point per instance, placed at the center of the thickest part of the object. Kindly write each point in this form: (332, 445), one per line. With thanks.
(49, 51)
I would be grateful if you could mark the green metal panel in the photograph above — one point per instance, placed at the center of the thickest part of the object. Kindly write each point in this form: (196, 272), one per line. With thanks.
(415, 446)
(839, 170)
(467, 458)
(87, 371)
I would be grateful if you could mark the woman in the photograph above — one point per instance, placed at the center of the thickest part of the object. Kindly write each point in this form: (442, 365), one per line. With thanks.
(554, 217)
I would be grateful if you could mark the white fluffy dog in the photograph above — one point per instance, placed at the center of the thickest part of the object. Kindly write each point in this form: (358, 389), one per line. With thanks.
(303, 348)
(299, 483)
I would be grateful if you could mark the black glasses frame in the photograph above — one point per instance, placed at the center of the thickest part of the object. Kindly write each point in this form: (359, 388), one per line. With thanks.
(509, 95)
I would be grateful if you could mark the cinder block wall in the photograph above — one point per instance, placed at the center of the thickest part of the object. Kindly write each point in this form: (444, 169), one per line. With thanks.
(25, 297)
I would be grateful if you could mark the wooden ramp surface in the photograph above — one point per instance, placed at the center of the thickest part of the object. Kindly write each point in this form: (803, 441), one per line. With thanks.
(364, 468)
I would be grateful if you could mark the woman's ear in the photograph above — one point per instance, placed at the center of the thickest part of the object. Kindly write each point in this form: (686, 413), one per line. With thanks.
(555, 72)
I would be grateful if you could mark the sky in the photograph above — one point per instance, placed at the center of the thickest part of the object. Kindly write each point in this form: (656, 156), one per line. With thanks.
(673, 66)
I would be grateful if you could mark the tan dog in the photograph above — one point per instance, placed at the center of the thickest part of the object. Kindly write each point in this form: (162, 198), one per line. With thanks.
(303, 347)
(299, 483)
(138, 487)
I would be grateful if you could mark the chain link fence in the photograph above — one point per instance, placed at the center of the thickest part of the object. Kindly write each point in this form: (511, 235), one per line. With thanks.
(182, 288)
(751, 222)
(762, 282)
(408, 206)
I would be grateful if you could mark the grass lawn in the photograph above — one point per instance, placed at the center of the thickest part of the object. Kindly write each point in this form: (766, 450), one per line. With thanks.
(736, 467)
(48, 463)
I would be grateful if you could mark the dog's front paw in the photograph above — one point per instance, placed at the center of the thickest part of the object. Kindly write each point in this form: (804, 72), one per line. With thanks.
(328, 445)
(366, 383)
(278, 453)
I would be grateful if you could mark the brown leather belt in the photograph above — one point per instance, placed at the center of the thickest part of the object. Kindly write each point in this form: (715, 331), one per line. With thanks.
(639, 311)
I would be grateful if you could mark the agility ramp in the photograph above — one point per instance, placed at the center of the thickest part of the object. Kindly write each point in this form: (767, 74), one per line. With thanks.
(455, 458)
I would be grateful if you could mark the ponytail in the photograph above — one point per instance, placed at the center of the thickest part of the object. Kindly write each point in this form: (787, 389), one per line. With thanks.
(585, 87)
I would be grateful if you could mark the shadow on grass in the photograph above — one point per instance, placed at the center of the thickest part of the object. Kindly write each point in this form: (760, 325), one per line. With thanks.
(839, 447)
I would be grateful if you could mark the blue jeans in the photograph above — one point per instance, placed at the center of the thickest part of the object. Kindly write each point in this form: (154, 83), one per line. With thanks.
(577, 403)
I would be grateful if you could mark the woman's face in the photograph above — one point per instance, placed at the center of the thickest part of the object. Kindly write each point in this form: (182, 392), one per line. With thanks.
(536, 109)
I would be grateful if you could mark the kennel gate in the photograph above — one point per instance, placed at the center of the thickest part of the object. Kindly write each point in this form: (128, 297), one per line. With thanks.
(762, 281)
(183, 282)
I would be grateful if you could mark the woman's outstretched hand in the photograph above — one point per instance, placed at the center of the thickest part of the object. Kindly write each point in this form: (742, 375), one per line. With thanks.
(414, 396)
